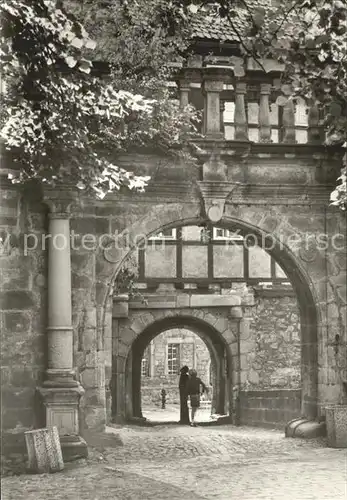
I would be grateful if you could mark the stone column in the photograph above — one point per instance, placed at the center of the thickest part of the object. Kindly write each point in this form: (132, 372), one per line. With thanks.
(289, 122)
(222, 109)
(60, 342)
(61, 392)
(264, 113)
(314, 133)
(212, 89)
(240, 118)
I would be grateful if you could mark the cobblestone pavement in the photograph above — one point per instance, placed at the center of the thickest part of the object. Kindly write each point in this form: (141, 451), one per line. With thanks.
(174, 463)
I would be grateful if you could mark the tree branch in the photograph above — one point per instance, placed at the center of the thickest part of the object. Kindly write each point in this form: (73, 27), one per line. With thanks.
(249, 52)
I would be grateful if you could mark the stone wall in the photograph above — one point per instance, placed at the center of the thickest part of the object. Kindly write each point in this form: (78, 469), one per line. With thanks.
(271, 408)
(23, 314)
(88, 346)
(275, 360)
(193, 353)
(271, 372)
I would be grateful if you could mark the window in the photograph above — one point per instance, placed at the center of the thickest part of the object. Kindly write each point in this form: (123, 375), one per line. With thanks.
(224, 234)
(166, 234)
(145, 363)
(173, 361)
(144, 367)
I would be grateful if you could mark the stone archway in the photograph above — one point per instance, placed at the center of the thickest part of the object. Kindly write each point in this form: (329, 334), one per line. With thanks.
(133, 334)
(216, 344)
(297, 269)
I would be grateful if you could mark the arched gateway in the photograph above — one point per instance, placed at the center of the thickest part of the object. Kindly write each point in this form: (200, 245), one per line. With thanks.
(218, 346)
(223, 320)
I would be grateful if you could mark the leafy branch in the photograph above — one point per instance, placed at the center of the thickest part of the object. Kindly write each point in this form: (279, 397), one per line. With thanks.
(127, 280)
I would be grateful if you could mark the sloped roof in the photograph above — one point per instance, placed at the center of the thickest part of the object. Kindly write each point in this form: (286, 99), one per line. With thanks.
(208, 24)
(214, 28)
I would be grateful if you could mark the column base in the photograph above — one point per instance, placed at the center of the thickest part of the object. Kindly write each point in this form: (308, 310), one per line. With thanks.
(62, 405)
(60, 378)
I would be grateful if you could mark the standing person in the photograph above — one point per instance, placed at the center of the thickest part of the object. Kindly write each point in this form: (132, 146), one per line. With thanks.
(184, 411)
(193, 390)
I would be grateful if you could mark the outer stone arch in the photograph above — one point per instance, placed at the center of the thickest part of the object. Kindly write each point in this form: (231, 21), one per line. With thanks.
(310, 314)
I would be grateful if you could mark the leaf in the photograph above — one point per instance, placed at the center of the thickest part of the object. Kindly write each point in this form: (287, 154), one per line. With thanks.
(286, 89)
(273, 26)
(77, 42)
(85, 66)
(70, 61)
(193, 8)
(323, 39)
(310, 43)
(258, 16)
(339, 4)
(90, 44)
(335, 109)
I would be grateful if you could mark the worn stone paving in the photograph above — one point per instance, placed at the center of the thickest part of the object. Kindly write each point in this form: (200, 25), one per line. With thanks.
(174, 462)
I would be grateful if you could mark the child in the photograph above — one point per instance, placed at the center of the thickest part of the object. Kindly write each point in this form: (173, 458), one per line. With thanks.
(193, 390)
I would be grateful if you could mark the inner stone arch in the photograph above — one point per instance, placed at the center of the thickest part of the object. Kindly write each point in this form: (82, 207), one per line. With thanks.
(219, 351)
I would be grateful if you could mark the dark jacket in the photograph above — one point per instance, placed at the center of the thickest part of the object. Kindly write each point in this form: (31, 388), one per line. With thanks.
(182, 384)
(194, 384)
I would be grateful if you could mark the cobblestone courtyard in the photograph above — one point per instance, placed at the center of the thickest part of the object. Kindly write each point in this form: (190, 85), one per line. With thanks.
(169, 462)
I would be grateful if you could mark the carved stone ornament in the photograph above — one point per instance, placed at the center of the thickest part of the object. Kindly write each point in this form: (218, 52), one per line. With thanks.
(61, 202)
(214, 195)
(308, 252)
(112, 254)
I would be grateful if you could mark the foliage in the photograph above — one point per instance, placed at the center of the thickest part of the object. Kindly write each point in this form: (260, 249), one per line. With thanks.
(127, 279)
(309, 38)
(137, 38)
(339, 196)
(64, 122)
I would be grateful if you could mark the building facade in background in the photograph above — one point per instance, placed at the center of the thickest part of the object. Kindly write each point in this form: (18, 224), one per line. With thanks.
(163, 359)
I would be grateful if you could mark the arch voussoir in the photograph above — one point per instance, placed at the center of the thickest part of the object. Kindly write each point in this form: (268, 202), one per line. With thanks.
(137, 326)
(127, 335)
(210, 318)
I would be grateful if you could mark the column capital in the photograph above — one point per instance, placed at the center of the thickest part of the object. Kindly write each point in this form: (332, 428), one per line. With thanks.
(183, 84)
(240, 88)
(60, 202)
(265, 88)
(213, 86)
